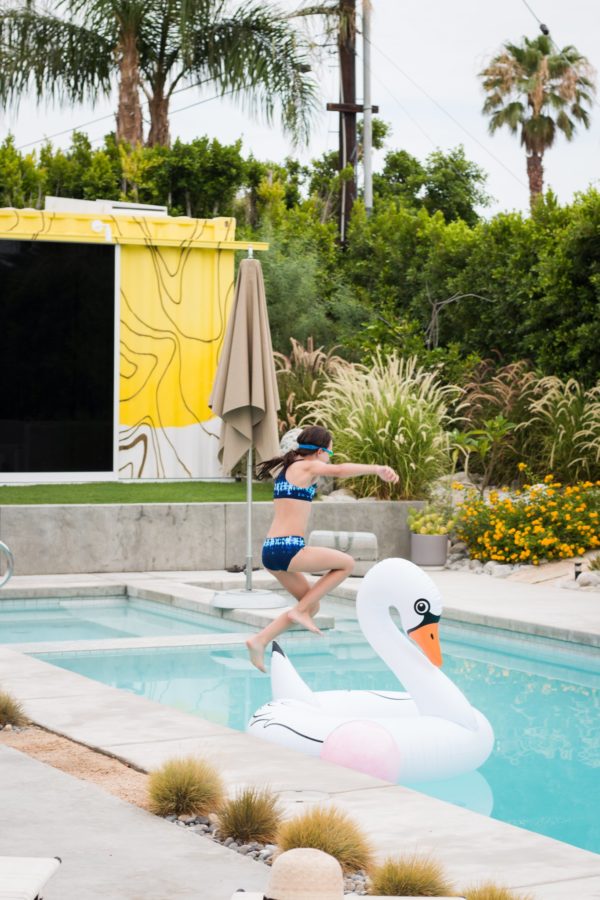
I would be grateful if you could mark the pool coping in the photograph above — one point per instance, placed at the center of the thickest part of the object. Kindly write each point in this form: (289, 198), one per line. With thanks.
(144, 733)
(189, 597)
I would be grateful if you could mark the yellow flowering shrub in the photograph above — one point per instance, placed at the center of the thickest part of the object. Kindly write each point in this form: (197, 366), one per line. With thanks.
(543, 521)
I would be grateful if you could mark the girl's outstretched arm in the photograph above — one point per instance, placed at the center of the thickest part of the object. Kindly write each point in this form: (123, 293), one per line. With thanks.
(351, 470)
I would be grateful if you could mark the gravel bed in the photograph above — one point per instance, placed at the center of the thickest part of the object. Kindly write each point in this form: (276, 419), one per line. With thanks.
(265, 853)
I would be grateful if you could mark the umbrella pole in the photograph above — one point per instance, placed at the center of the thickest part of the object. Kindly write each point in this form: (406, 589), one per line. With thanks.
(249, 520)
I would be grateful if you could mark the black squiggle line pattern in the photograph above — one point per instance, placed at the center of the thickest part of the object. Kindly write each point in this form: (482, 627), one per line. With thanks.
(164, 336)
(162, 272)
(128, 432)
(137, 353)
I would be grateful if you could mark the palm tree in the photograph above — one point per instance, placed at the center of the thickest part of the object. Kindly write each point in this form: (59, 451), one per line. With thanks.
(540, 91)
(153, 47)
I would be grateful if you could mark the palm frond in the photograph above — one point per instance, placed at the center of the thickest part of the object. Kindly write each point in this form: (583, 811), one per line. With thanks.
(57, 59)
(257, 56)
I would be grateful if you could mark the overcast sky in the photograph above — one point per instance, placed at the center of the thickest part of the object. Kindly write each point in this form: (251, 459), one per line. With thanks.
(420, 48)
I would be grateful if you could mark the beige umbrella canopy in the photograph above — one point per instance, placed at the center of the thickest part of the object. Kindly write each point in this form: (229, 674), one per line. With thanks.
(244, 393)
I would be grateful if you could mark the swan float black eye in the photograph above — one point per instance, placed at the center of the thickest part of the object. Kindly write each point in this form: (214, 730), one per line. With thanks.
(422, 606)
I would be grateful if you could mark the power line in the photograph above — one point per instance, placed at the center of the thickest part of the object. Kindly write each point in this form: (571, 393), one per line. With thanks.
(49, 137)
(408, 115)
(417, 124)
(533, 13)
(183, 108)
(449, 115)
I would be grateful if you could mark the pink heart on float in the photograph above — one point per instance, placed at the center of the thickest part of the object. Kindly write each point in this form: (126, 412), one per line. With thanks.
(364, 746)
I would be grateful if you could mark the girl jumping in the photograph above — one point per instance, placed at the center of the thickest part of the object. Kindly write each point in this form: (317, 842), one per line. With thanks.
(284, 553)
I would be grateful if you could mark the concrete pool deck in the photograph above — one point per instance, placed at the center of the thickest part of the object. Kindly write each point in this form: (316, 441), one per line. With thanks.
(469, 846)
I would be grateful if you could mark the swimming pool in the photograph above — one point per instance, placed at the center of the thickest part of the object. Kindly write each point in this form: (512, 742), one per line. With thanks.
(33, 621)
(541, 696)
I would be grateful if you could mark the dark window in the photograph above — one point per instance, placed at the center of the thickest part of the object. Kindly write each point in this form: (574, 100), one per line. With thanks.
(56, 357)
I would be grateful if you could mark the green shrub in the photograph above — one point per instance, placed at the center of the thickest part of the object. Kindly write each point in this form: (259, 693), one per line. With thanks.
(546, 521)
(490, 891)
(11, 711)
(185, 786)
(393, 413)
(409, 876)
(252, 815)
(330, 830)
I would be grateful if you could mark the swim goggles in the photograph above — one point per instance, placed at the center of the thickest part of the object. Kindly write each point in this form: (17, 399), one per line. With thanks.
(314, 447)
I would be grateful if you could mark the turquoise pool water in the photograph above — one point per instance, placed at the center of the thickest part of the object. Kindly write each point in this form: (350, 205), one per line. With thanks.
(32, 621)
(542, 698)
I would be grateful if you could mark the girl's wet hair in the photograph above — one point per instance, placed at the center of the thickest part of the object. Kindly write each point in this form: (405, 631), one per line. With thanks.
(314, 434)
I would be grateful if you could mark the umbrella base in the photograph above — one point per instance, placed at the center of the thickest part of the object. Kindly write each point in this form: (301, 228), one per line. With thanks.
(254, 599)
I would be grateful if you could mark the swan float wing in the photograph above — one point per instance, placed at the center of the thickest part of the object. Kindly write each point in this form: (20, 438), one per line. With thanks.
(286, 684)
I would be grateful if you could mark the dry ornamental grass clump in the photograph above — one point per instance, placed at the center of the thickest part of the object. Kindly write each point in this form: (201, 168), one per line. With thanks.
(252, 815)
(491, 891)
(185, 786)
(11, 711)
(410, 876)
(394, 411)
(330, 830)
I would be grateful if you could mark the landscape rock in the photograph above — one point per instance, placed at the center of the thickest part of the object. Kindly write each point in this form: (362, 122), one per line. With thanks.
(459, 548)
(498, 570)
(341, 495)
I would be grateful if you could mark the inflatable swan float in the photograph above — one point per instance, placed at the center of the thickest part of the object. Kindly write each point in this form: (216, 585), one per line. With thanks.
(428, 732)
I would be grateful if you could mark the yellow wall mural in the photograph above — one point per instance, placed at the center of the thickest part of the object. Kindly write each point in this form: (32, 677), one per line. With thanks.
(175, 280)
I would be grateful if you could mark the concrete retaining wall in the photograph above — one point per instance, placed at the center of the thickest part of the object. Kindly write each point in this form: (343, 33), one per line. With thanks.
(170, 537)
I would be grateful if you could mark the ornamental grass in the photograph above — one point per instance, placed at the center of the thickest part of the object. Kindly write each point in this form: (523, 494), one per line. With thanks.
(11, 711)
(409, 876)
(565, 419)
(542, 522)
(301, 377)
(252, 815)
(395, 413)
(185, 786)
(330, 830)
(555, 424)
(490, 891)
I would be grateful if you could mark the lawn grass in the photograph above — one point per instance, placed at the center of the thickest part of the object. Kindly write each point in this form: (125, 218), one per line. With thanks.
(114, 492)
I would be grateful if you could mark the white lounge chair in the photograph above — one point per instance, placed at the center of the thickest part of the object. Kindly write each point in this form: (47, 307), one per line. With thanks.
(23, 877)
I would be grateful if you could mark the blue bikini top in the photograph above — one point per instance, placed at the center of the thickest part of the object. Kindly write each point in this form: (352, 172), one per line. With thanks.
(283, 489)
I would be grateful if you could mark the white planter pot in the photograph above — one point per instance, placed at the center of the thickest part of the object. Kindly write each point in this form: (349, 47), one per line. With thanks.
(428, 549)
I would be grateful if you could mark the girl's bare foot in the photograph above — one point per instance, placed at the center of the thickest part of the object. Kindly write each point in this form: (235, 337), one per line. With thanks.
(304, 619)
(257, 653)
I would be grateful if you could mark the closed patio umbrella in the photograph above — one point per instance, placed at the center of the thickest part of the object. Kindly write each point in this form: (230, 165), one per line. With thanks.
(245, 395)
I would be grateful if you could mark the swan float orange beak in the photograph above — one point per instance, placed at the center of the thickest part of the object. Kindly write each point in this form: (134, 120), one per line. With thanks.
(428, 639)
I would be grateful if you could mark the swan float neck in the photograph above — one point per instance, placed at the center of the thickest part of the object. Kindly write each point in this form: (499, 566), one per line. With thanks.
(418, 602)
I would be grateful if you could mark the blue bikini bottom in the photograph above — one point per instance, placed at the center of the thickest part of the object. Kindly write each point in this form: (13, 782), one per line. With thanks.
(278, 552)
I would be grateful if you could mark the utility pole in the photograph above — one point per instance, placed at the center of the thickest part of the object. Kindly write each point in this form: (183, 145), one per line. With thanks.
(368, 110)
(347, 108)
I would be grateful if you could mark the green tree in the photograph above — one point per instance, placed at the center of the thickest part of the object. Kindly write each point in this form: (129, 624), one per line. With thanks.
(20, 179)
(535, 90)
(447, 182)
(155, 46)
